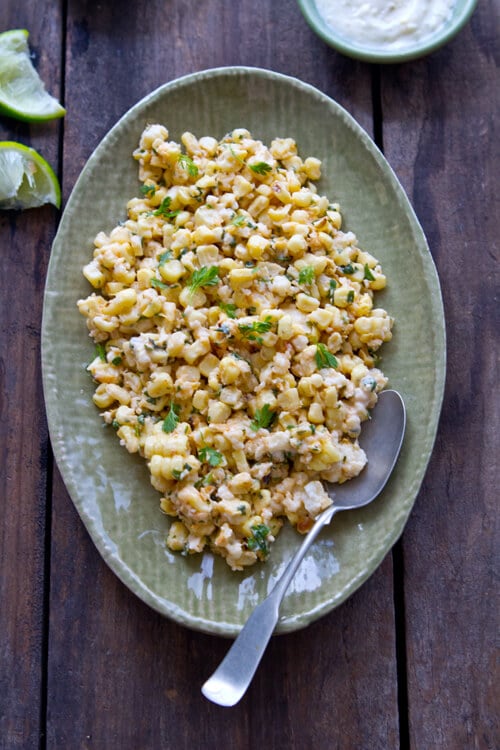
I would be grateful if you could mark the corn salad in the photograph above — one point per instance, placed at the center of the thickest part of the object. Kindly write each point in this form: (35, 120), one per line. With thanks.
(236, 338)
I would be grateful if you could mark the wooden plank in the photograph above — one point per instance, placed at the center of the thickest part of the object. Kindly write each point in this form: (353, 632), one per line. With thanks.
(25, 240)
(448, 158)
(120, 675)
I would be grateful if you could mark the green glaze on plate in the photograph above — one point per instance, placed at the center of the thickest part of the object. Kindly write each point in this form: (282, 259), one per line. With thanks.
(109, 487)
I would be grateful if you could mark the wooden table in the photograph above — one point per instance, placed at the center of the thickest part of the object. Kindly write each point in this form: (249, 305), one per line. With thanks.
(409, 660)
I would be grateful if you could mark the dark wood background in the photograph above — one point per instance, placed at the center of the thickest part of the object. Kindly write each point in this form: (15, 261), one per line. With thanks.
(409, 660)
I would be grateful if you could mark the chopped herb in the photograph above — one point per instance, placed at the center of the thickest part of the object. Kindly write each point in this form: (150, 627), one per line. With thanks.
(236, 156)
(115, 424)
(224, 328)
(261, 167)
(263, 418)
(251, 330)
(181, 474)
(157, 284)
(350, 296)
(210, 456)
(116, 361)
(172, 419)
(164, 257)
(313, 428)
(306, 275)
(188, 164)
(238, 356)
(368, 274)
(164, 209)
(374, 355)
(148, 190)
(238, 220)
(141, 418)
(101, 351)
(242, 509)
(206, 276)
(324, 358)
(258, 540)
(348, 269)
(332, 288)
(207, 479)
(369, 382)
(229, 309)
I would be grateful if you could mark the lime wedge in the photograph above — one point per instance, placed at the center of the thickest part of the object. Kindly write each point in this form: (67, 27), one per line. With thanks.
(22, 93)
(26, 179)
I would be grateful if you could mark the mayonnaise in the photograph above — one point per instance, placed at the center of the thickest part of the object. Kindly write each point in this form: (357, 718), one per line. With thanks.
(385, 24)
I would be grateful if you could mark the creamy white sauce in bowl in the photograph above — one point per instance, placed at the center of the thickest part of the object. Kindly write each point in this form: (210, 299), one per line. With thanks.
(386, 31)
(390, 24)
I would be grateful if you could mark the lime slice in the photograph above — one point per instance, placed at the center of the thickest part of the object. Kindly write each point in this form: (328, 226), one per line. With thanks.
(26, 179)
(22, 93)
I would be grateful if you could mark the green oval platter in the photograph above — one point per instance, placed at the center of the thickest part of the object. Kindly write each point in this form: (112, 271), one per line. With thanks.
(109, 487)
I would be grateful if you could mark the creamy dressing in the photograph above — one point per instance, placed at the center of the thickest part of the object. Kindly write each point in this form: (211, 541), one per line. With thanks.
(387, 24)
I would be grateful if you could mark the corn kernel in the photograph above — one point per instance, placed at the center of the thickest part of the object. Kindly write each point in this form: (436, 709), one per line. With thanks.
(315, 414)
(171, 271)
(306, 303)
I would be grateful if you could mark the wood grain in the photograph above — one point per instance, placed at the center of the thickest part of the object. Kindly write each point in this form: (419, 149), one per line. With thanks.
(90, 666)
(445, 149)
(25, 240)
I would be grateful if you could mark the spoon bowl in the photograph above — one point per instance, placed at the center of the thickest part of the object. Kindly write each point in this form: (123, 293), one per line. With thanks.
(382, 438)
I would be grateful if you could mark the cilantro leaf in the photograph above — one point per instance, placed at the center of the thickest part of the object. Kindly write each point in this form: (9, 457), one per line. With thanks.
(260, 167)
(324, 358)
(164, 257)
(181, 474)
(306, 275)
(348, 269)
(258, 540)
(172, 419)
(250, 330)
(206, 276)
(210, 456)
(157, 284)
(263, 418)
(101, 351)
(164, 209)
(148, 190)
(188, 164)
(229, 309)
(238, 220)
(368, 274)
(331, 290)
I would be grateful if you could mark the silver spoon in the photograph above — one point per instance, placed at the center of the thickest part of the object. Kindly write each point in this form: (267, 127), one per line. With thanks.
(382, 437)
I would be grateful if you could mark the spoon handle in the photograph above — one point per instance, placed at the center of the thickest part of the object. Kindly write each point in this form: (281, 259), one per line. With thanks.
(231, 679)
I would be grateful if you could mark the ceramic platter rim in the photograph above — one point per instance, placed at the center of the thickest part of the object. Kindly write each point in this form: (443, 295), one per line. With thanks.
(129, 533)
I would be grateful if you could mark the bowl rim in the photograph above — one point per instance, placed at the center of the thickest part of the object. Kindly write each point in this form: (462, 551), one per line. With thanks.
(378, 54)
